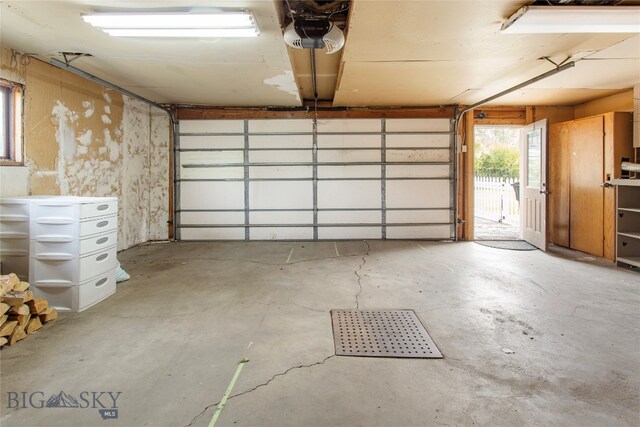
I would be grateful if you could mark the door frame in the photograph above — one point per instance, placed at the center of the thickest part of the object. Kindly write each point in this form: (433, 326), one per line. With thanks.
(483, 116)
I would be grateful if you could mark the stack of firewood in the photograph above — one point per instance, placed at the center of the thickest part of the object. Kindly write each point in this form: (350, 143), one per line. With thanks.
(20, 313)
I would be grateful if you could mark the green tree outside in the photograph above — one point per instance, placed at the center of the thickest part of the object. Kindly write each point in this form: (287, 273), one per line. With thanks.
(497, 152)
(501, 162)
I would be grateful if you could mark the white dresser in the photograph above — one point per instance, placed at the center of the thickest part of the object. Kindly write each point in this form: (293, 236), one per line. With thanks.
(66, 247)
(73, 249)
(14, 236)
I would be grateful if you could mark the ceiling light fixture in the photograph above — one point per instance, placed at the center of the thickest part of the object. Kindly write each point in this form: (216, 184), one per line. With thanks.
(573, 19)
(221, 24)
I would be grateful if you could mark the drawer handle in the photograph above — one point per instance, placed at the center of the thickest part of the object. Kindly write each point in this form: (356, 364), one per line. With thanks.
(102, 224)
(102, 257)
(102, 240)
(101, 282)
(103, 207)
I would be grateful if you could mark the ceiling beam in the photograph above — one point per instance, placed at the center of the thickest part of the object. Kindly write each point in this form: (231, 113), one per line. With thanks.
(213, 113)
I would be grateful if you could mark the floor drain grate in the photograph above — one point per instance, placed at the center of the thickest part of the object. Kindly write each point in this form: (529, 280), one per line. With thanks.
(381, 333)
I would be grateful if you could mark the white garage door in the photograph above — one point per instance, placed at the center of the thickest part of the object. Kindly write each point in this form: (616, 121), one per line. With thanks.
(350, 179)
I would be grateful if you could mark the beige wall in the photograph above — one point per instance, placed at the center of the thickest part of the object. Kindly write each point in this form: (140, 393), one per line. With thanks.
(553, 114)
(85, 140)
(619, 102)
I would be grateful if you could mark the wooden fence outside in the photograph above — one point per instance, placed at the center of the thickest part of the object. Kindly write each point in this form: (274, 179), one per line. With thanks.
(495, 200)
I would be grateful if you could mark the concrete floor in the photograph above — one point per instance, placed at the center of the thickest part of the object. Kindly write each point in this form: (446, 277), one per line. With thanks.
(171, 338)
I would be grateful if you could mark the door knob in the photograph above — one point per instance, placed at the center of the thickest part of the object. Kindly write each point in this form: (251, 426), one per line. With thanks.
(545, 192)
(606, 185)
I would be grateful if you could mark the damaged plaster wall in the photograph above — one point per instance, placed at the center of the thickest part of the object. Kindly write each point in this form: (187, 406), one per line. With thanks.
(83, 139)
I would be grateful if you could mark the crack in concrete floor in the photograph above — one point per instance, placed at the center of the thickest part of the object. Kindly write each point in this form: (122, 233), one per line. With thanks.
(264, 384)
(357, 296)
(364, 262)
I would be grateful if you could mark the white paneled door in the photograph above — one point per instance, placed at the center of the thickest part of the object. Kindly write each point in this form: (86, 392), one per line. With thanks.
(534, 184)
(296, 180)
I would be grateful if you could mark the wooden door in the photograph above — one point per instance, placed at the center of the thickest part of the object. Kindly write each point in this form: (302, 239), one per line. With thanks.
(587, 193)
(559, 154)
(534, 184)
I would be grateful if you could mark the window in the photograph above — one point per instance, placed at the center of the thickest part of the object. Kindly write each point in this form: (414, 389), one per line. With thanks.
(11, 122)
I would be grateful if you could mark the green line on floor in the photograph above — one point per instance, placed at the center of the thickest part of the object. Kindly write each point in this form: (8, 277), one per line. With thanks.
(227, 393)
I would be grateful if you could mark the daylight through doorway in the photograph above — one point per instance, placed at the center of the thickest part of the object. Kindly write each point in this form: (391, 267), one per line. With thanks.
(497, 183)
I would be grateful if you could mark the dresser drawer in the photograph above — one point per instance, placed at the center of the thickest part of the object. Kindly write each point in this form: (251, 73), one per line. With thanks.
(98, 242)
(54, 247)
(14, 230)
(54, 227)
(63, 227)
(54, 212)
(99, 225)
(12, 207)
(89, 210)
(64, 268)
(14, 247)
(98, 262)
(64, 297)
(73, 248)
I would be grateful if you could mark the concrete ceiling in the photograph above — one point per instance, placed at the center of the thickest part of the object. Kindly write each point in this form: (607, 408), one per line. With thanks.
(398, 53)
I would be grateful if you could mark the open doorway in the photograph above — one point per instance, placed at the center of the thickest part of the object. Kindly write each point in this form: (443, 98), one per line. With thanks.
(497, 183)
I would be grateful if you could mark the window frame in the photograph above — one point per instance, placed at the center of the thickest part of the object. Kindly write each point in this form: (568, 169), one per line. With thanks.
(15, 115)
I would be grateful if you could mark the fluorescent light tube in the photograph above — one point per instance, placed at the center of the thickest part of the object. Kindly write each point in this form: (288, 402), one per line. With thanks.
(182, 32)
(171, 20)
(573, 19)
(222, 24)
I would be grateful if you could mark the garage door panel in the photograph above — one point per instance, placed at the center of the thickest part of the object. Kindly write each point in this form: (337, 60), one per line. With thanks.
(352, 217)
(420, 232)
(418, 140)
(349, 156)
(418, 216)
(211, 195)
(418, 171)
(212, 233)
(340, 233)
(208, 142)
(289, 217)
(212, 173)
(280, 156)
(281, 195)
(418, 156)
(265, 172)
(345, 141)
(209, 165)
(349, 194)
(226, 218)
(349, 172)
(349, 125)
(280, 141)
(211, 157)
(281, 233)
(418, 194)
